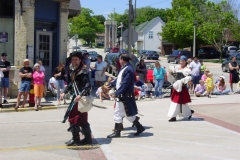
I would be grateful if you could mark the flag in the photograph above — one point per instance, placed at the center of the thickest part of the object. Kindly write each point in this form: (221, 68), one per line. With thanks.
(120, 26)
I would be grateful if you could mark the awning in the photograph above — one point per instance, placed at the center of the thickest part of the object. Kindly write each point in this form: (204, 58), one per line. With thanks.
(74, 8)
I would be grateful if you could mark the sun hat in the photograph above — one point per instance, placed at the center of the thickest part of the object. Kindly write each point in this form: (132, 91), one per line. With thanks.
(222, 77)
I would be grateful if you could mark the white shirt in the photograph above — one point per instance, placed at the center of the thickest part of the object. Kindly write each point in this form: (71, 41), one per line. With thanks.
(99, 91)
(52, 80)
(100, 66)
(42, 69)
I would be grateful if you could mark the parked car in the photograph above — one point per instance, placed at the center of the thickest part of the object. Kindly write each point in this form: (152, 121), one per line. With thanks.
(115, 49)
(123, 51)
(84, 51)
(176, 54)
(107, 50)
(231, 50)
(225, 63)
(111, 60)
(150, 55)
(74, 48)
(100, 44)
(93, 55)
(208, 52)
(140, 53)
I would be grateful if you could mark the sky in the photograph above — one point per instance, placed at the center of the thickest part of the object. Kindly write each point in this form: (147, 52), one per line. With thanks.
(104, 7)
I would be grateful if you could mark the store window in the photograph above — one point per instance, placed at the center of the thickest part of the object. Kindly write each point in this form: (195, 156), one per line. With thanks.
(6, 8)
(7, 28)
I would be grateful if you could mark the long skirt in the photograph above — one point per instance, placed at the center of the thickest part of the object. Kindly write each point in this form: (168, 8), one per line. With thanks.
(174, 109)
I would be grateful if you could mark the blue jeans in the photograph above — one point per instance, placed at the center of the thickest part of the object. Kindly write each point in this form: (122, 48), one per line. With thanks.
(158, 87)
(59, 85)
(226, 91)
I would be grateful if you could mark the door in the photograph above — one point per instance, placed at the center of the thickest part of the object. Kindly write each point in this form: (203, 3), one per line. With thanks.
(44, 51)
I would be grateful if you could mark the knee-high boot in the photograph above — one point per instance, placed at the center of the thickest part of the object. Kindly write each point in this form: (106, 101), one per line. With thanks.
(76, 137)
(139, 127)
(117, 132)
(87, 135)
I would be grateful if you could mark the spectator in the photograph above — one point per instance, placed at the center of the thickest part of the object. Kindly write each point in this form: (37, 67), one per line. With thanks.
(159, 76)
(87, 62)
(26, 75)
(238, 88)
(1, 75)
(138, 87)
(5, 67)
(195, 66)
(221, 87)
(200, 89)
(209, 84)
(203, 67)
(189, 60)
(60, 75)
(234, 67)
(102, 92)
(118, 63)
(45, 84)
(52, 86)
(141, 70)
(149, 88)
(205, 75)
(100, 67)
(38, 81)
(134, 62)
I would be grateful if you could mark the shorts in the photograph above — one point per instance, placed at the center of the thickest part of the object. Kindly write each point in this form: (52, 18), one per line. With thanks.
(233, 78)
(99, 77)
(25, 86)
(5, 82)
(209, 89)
(195, 79)
(38, 90)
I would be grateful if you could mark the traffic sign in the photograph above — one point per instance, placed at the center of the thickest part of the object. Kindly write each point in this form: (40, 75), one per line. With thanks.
(134, 36)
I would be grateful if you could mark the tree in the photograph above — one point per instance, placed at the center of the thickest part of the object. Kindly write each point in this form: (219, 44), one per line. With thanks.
(100, 18)
(180, 22)
(217, 25)
(86, 26)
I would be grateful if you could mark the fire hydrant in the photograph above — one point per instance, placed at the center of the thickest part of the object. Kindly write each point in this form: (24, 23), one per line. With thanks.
(31, 97)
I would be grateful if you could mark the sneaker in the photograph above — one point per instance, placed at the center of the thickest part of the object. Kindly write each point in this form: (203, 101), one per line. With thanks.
(209, 96)
(5, 101)
(139, 98)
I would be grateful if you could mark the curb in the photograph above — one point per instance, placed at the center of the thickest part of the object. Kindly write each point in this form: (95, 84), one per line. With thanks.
(2, 110)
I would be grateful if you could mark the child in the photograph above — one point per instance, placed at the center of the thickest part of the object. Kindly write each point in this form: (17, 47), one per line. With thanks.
(238, 88)
(102, 92)
(137, 93)
(149, 88)
(209, 84)
(200, 89)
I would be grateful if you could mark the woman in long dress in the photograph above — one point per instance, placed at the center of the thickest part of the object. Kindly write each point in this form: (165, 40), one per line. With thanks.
(180, 96)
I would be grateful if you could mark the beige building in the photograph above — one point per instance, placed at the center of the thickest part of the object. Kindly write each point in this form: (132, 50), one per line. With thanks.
(35, 29)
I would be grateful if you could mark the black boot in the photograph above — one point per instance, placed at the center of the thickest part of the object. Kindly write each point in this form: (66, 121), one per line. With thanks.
(137, 119)
(117, 132)
(173, 119)
(76, 138)
(192, 111)
(140, 128)
(87, 136)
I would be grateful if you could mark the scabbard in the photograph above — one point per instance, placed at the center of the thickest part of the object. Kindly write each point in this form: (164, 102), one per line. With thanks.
(70, 108)
(181, 99)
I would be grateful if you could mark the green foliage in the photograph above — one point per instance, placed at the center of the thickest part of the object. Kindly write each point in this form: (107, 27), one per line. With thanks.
(100, 18)
(142, 15)
(86, 26)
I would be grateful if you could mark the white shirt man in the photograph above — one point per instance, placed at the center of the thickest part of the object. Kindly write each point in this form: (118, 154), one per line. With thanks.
(52, 86)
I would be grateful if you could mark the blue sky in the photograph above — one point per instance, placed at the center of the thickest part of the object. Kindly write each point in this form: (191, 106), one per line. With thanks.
(105, 7)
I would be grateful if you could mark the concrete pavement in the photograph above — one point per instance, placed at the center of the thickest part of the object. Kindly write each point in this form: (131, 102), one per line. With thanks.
(41, 135)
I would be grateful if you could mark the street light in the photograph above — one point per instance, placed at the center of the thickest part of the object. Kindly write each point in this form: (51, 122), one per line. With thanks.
(121, 35)
(76, 40)
(194, 38)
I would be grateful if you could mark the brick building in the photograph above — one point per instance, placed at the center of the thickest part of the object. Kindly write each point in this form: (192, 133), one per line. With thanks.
(35, 29)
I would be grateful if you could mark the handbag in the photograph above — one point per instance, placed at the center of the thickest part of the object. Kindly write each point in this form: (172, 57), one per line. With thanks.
(85, 103)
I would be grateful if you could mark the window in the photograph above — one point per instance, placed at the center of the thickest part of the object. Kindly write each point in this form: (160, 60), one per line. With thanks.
(6, 8)
(150, 36)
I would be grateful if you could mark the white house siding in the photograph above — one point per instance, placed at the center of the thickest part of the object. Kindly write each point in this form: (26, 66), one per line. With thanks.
(154, 43)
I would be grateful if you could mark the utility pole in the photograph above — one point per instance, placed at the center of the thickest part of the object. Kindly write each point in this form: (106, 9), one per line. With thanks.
(130, 18)
(121, 35)
(135, 11)
(113, 29)
(194, 38)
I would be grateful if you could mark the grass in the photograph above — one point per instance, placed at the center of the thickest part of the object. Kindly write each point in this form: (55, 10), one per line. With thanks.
(213, 61)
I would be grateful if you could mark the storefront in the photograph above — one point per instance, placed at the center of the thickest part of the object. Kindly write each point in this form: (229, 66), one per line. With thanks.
(35, 29)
